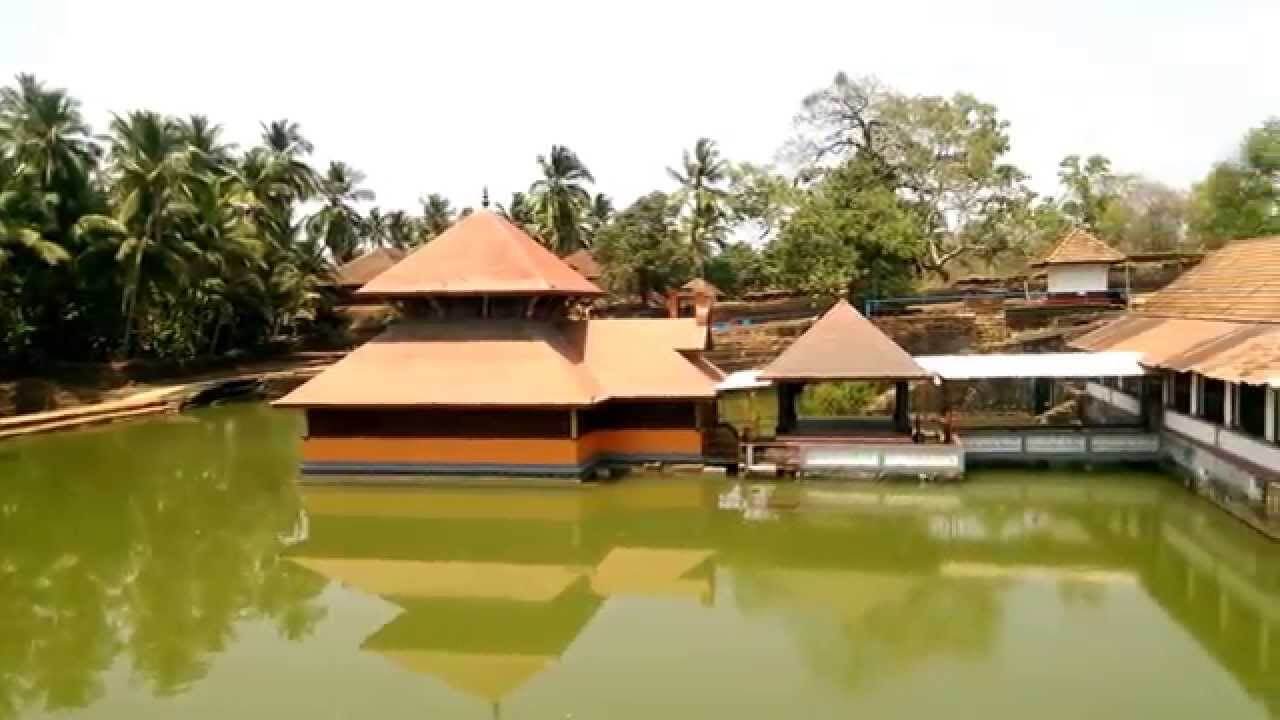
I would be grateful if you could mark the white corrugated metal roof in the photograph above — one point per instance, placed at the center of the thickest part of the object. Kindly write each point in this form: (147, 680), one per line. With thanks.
(1034, 365)
(742, 380)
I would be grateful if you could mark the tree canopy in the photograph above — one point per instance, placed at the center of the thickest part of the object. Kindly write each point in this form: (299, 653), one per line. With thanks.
(160, 239)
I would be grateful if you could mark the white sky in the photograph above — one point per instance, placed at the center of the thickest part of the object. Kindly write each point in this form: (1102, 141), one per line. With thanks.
(450, 96)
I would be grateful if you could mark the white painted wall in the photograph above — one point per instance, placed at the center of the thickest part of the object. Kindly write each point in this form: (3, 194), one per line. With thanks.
(1194, 428)
(1077, 278)
(1115, 398)
(1255, 451)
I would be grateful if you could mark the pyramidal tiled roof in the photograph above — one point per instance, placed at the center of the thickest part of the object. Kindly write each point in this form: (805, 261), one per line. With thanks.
(366, 267)
(482, 254)
(516, 363)
(1080, 247)
(844, 345)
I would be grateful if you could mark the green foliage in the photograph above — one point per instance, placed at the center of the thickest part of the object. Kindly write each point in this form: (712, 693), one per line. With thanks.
(1240, 198)
(700, 176)
(641, 248)
(738, 269)
(437, 215)
(561, 201)
(838, 399)
(169, 244)
(760, 199)
(942, 156)
(852, 234)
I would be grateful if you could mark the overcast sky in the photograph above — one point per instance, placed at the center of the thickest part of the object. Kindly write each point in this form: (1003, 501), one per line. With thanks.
(450, 96)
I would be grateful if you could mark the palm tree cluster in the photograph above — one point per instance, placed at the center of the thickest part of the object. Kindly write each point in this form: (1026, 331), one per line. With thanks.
(559, 209)
(701, 176)
(162, 240)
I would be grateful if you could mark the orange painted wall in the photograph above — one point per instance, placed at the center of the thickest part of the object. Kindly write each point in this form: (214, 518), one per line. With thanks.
(503, 451)
(639, 442)
(512, 451)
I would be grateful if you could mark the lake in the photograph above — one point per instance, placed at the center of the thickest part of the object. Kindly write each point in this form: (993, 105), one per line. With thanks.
(174, 568)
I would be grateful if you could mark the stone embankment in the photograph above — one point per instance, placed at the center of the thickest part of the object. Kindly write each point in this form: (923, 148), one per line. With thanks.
(130, 403)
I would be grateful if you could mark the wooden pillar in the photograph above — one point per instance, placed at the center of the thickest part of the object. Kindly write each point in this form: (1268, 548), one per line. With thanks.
(573, 424)
(1166, 387)
(946, 411)
(1271, 415)
(902, 406)
(787, 394)
(1229, 405)
(1195, 395)
(1039, 396)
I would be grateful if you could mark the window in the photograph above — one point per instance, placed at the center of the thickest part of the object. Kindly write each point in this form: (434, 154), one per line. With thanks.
(1253, 409)
(1131, 385)
(1182, 393)
(1213, 399)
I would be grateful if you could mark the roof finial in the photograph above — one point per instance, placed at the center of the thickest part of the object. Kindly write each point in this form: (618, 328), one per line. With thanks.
(484, 197)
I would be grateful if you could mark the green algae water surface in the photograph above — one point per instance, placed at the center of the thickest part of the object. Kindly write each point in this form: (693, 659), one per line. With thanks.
(175, 569)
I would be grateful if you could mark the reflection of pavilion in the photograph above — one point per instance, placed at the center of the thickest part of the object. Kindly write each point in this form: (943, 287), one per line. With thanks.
(493, 589)
(495, 586)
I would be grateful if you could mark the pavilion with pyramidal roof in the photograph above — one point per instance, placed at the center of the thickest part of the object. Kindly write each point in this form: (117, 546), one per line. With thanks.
(495, 369)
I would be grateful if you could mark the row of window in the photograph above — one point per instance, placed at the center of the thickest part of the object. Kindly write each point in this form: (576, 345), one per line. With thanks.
(1249, 409)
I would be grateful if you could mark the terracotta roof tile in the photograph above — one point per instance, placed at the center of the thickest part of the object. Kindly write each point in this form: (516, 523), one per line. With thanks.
(366, 267)
(1238, 282)
(482, 254)
(1080, 247)
(585, 263)
(641, 358)
(514, 363)
(843, 345)
(1235, 352)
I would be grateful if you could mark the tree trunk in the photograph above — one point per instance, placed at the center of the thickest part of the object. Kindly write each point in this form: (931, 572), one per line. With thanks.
(131, 297)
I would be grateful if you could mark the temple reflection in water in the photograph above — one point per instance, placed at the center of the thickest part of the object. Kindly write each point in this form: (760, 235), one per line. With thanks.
(175, 569)
(494, 586)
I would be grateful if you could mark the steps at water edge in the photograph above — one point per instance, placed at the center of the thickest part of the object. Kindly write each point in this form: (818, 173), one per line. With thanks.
(88, 419)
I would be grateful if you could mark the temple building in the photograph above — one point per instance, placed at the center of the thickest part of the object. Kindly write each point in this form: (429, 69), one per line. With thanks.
(1079, 266)
(844, 346)
(494, 369)
(1211, 343)
(351, 276)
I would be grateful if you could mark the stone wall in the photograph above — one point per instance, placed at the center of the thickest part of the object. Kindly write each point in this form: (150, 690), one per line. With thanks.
(1021, 317)
(754, 346)
(932, 333)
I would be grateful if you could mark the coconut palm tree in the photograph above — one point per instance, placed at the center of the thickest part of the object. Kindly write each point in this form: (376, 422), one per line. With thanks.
(700, 176)
(24, 215)
(286, 150)
(560, 200)
(52, 158)
(151, 176)
(208, 153)
(46, 135)
(437, 215)
(339, 223)
(374, 229)
(599, 214)
(402, 230)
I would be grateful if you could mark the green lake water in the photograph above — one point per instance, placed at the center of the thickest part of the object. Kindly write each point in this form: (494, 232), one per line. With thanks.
(175, 569)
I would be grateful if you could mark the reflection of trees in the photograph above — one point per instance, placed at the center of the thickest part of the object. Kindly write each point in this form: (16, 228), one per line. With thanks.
(150, 541)
(854, 627)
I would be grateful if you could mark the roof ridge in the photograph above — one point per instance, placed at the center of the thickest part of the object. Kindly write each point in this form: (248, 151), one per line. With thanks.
(526, 248)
